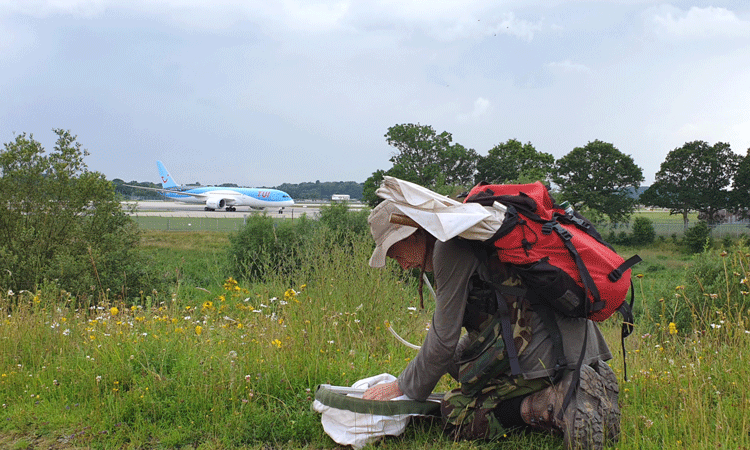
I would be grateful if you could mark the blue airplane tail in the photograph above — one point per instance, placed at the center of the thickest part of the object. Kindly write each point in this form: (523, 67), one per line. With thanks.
(167, 182)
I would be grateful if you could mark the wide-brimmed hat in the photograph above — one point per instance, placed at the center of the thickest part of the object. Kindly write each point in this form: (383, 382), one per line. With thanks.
(384, 232)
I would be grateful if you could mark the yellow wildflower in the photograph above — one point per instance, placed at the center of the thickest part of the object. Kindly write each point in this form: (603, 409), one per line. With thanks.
(114, 311)
(672, 328)
(230, 284)
(198, 330)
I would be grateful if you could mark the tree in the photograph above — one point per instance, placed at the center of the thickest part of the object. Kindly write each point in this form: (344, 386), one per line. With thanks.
(61, 223)
(425, 158)
(430, 159)
(369, 197)
(694, 177)
(741, 187)
(600, 179)
(514, 162)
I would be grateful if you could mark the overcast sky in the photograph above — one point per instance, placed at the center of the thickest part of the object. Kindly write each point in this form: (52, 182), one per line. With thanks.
(261, 93)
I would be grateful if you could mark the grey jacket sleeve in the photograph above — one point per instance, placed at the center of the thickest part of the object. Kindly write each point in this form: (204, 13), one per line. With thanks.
(454, 263)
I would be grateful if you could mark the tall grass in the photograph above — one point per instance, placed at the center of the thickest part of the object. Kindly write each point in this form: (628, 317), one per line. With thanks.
(216, 363)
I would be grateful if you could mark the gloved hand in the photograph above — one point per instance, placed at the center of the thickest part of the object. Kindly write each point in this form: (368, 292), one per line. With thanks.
(383, 391)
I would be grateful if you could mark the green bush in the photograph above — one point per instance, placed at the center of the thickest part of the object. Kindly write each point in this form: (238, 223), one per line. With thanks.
(643, 231)
(61, 223)
(266, 245)
(340, 219)
(716, 282)
(621, 238)
(697, 238)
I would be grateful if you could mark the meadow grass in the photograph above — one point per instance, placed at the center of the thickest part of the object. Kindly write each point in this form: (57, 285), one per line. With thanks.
(665, 224)
(216, 364)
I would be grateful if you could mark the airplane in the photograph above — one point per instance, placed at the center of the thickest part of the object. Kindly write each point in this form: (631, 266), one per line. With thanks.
(215, 197)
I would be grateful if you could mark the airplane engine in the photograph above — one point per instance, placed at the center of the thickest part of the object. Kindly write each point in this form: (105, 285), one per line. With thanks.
(214, 203)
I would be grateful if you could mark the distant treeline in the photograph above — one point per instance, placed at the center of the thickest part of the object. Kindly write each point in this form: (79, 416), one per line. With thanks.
(302, 191)
(322, 190)
(131, 193)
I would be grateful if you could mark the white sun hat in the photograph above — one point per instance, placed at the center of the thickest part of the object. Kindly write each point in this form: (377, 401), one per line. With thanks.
(384, 232)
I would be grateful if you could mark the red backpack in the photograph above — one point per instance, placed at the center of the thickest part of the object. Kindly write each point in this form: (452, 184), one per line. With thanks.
(565, 264)
(554, 248)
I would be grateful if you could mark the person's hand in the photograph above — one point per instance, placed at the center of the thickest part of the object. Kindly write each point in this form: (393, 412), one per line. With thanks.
(383, 391)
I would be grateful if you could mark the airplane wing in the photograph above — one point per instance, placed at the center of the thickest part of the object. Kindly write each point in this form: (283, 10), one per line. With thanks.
(171, 191)
(213, 200)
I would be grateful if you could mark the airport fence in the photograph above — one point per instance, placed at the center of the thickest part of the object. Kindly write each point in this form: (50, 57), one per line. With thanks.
(167, 223)
(670, 229)
(231, 224)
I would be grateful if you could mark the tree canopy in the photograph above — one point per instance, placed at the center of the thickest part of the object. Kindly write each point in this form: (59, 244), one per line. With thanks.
(61, 223)
(514, 162)
(694, 177)
(426, 158)
(430, 159)
(741, 186)
(599, 179)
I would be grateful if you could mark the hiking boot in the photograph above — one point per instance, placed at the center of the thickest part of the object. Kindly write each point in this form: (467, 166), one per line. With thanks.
(611, 412)
(581, 424)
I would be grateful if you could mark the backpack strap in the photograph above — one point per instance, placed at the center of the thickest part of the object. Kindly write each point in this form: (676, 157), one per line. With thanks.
(626, 309)
(506, 327)
(624, 267)
(588, 282)
(628, 322)
(547, 314)
(503, 314)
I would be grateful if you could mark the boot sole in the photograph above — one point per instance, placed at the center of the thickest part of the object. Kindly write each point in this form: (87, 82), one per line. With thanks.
(612, 409)
(584, 424)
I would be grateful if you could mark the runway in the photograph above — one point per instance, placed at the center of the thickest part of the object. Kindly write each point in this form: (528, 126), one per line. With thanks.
(175, 209)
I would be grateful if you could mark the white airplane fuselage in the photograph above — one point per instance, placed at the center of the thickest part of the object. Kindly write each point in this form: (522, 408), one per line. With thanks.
(230, 198)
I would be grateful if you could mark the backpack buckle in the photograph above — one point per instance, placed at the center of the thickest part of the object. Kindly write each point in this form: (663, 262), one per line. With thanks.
(579, 222)
(562, 232)
(548, 226)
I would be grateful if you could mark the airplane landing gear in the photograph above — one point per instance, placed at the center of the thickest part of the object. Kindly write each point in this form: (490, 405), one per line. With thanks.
(230, 208)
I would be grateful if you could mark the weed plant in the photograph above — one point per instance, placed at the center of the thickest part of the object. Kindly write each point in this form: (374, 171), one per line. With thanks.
(217, 363)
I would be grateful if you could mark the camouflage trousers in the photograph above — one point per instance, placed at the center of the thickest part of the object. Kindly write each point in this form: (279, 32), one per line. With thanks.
(484, 373)
(472, 417)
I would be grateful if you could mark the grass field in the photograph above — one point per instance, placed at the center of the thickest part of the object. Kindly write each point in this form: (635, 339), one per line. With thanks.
(664, 224)
(213, 363)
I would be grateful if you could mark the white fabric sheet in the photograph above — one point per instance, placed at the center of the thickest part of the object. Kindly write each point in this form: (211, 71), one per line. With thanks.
(442, 216)
(355, 429)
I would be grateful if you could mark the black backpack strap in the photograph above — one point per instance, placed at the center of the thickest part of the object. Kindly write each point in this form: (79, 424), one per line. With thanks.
(507, 332)
(628, 322)
(547, 314)
(481, 251)
(624, 267)
(588, 282)
(626, 309)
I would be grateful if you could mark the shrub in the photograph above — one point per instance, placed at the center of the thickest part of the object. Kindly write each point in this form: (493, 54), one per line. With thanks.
(697, 238)
(643, 231)
(62, 223)
(340, 219)
(716, 283)
(266, 245)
